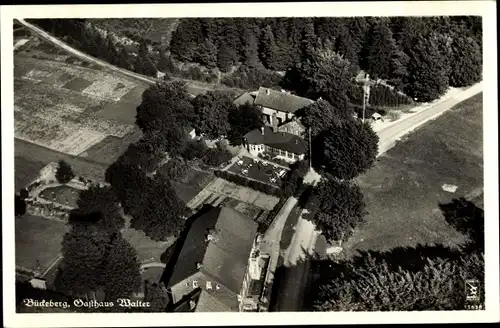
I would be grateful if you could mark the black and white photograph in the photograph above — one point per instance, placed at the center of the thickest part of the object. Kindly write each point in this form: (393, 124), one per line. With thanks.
(314, 160)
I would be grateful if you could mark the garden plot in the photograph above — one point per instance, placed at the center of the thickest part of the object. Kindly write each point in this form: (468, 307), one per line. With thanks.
(109, 87)
(37, 75)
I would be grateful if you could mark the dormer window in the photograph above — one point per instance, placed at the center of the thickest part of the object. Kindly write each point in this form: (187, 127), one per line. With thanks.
(195, 284)
(198, 265)
(209, 285)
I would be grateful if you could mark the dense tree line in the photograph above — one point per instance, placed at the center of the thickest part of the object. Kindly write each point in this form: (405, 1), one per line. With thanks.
(414, 54)
(421, 56)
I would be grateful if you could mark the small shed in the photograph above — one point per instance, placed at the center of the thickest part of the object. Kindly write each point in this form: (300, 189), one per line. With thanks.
(376, 117)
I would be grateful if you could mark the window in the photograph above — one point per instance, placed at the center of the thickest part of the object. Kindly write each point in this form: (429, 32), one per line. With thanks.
(293, 156)
(280, 120)
(289, 155)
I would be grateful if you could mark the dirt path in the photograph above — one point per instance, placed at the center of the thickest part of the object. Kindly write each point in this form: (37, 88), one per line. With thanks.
(193, 87)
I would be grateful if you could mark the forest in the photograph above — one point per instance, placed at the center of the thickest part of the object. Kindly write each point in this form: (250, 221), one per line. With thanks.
(418, 56)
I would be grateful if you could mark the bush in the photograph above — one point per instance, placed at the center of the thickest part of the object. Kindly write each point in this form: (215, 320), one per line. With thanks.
(252, 184)
(380, 96)
(174, 169)
(264, 224)
(217, 156)
(64, 173)
(252, 78)
(194, 149)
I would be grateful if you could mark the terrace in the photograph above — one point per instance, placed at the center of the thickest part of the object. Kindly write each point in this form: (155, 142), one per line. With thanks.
(259, 170)
(64, 195)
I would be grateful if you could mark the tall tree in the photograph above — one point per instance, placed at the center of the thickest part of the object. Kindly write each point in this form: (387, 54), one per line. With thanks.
(308, 41)
(98, 261)
(64, 172)
(427, 70)
(268, 49)
(242, 120)
(326, 74)
(439, 285)
(381, 50)
(211, 113)
(164, 105)
(321, 116)
(250, 48)
(163, 215)
(336, 208)
(186, 38)
(207, 54)
(346, 150)
(466, 63)
(99, 202)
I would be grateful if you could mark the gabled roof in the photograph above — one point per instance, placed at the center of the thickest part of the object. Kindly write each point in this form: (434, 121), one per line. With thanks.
(244, 98)
(281, 140)
(224, 259)
(281, 101)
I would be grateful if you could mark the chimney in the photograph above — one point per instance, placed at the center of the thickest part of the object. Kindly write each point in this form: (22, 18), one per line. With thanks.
(262, 130)
(275, 122)
(192, 304)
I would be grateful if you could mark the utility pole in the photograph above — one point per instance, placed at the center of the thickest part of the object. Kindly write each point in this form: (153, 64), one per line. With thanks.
(366, 93)
(310, 150)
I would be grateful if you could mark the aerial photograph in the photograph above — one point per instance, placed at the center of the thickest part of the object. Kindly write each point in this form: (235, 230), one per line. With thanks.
(248, 164)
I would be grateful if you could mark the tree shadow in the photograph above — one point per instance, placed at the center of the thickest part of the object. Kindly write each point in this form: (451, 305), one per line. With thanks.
(467, 219)
(171, 254)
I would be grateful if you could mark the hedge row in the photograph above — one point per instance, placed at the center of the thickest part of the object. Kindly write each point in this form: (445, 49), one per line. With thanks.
(252, 78)
(264, 225)
(253, 184)
(380, 96)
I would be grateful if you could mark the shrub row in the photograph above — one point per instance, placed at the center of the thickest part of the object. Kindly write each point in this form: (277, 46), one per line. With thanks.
(380, 96)
(252, 78)
(268, 219)
(268, 157)
(253, 184)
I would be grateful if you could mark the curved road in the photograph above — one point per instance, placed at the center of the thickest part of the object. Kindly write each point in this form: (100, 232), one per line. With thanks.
(295, 274)
(193, 87)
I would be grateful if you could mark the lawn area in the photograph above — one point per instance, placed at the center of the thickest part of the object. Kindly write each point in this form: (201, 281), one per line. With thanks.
(35, 153)
(403, 190)
(110, 148)
(261, 171)
(25, 171)
(64, 195)
(147, 249)
(184, 191)
(38, 239)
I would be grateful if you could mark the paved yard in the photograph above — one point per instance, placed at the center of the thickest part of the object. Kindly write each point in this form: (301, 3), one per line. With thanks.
(64, 195)
(258, 170)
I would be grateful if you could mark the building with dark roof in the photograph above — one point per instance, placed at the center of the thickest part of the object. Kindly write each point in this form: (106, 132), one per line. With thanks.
(284, 145)
(283, 135)
(214, 257)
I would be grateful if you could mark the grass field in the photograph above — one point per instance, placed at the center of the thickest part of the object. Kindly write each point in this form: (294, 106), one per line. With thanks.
(31, 153)
(64, 195)
(72, 110)
(25, 171)
(38, 239)
(403, 190)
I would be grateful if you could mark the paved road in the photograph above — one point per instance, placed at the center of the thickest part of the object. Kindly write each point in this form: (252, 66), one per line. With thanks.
(390, 134)
(295, 272)
(193, 87)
